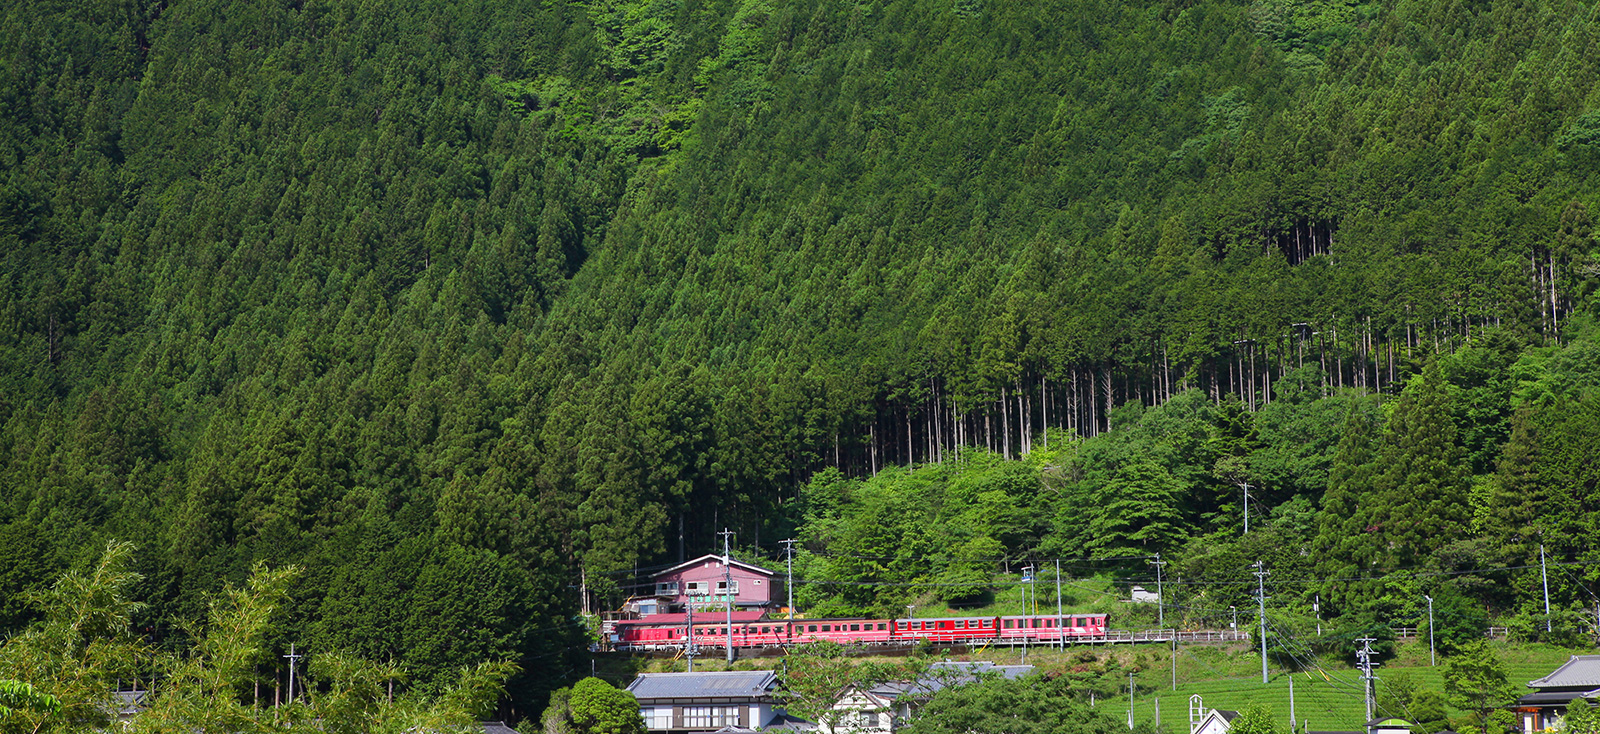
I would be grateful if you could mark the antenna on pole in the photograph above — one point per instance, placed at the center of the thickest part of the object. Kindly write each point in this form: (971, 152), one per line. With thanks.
(727, 589)
(1261, 611)
(1364, 658)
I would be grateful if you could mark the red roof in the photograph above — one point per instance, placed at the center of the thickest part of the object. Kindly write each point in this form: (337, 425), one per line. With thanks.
(706, 617)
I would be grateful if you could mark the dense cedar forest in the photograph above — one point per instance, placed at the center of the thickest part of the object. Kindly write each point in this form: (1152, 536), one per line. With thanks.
(469, 309)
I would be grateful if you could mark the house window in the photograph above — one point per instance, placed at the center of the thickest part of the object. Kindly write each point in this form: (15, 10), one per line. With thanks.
(710, 717)
(722, 587)
(659, 717)
(666, 588)
(694, 587)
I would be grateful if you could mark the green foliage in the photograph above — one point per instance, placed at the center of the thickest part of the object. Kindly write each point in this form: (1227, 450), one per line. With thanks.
(599, 708)
(1255, 719)
(70, 661)
(1030, 705)
(16, 695)
(817, 674)
(1582, 718)
(1475, 681)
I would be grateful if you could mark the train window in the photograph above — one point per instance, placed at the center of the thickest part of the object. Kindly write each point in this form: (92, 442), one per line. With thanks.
(1011, 624)
(1036, 624)
(883, 626)
(857, 627)
(827, 628)
(916, 625)
(811, 628)
(961, 624)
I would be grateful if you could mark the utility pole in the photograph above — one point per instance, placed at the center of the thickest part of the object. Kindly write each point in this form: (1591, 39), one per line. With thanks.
(293, 659)
(1027, 576)
(688, 645)
(1431, 659)
(1546, 580)
(1161, 601)
(788, 545)
(1291, 705)
(727, 588)
(1234, 625)
(1130, 700)
(1364, 658)
(1061, 632)
(1246, 487)
(1261, 612)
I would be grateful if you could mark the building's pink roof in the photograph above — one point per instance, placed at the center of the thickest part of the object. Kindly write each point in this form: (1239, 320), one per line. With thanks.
(739, 617)
(712, 557)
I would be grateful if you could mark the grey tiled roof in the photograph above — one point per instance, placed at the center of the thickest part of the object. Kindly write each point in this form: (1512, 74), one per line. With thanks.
(731, 684)
(1581, 671)
(497, 727)
(944, 675)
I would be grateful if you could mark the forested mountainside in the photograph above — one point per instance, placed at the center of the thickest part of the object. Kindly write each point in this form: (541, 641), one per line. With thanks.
(465, 306)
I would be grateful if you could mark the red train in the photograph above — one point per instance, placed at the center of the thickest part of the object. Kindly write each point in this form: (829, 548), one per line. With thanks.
(670, 631)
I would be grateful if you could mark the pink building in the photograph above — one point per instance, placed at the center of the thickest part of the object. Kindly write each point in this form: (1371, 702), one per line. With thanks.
(704, 582)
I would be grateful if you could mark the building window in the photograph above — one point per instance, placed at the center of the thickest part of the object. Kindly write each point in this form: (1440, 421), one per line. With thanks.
(710, 717)
(722, 587)
(694, 587)
(666, 588)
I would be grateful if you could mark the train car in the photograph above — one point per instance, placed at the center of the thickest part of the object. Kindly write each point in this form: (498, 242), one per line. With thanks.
(670, 632)
(1050, 628)
(947, 630)
(843, 631)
